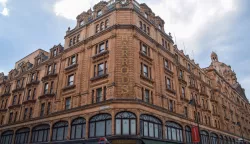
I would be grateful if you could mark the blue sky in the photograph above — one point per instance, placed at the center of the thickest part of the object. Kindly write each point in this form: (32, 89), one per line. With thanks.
(202, 26)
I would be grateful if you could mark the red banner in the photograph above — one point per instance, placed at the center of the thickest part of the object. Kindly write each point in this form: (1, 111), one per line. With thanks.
(195, 134)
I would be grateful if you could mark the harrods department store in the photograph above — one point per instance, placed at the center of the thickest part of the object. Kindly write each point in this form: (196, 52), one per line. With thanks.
(119, 75)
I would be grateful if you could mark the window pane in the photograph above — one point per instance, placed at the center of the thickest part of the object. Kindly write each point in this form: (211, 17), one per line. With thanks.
(100, 128)
(84, 131)
(65, 133)
(133, 127)
(173, 134)
(60, 134)
(108, 127)
(54, 134)
(125, 126)
(92, 129)
(151, 129)
(118, 127)
(145, 128)
(169, 133)
(156, 131)
(73, 132)
(78, 131)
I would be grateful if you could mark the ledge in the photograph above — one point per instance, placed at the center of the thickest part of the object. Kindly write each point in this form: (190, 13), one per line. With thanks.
(69, 87)
(74, 66)
(49, 76)
(29, 101)
(14, 106)
(46, 96)
(6, 94)
(100, 54)
(36, 82)
(146, 79)
(17, 89)
(99, 77)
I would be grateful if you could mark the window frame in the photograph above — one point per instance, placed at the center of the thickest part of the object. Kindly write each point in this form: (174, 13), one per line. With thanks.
(80, 121)
(104, 117)
(178, 131)
(125, 116)
(144, 118)
(71, 79)
(40, 129)
(23, 132)
(57, 126)
(67, 103)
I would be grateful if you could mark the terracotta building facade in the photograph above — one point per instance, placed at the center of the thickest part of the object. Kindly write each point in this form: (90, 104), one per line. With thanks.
(119, 75)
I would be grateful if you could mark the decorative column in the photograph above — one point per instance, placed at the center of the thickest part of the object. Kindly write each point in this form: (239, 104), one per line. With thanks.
(69, 129)
(50, 132)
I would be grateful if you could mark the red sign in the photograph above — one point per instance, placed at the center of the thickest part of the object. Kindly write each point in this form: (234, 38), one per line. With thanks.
(103, 140)
(195, 134)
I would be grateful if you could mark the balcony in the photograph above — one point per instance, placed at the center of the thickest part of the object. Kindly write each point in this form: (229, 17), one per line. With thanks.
(18, 89)
(103, 54)
(6, 94)
(33, 82)
(193, 87)
(203, 93)
(182, 80)
(29, 101)
(69, 87)
(171, 90)
(99, 77)
(168, 71)
(147, 79)
(146, 57)
(14, 106)
(71, 67)
(51, 75)
(47, 95)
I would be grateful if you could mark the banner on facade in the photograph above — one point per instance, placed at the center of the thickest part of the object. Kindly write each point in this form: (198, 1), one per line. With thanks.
(195, 134)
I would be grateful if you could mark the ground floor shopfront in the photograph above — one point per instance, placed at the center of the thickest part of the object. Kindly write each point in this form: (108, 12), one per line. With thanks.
(126, 123)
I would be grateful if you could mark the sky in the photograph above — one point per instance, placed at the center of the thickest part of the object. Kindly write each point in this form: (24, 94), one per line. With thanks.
(198, 27)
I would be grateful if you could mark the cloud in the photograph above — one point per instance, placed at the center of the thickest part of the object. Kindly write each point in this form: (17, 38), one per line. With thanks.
(71, 8)
(5, 11)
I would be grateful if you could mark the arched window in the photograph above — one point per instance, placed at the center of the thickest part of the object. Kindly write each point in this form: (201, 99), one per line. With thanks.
(221, 139)
(22, 136)
(174, 132)
(150, 126)
(6, 137)
(60, 131)
(234, 141)
(100, 125)
(188, 134)
(102, 26)
(230, 141)
(125, 123)
(214, 138)
(40, 133)
(107, 23)
(204, 137)
(78, 128)
(97, 28)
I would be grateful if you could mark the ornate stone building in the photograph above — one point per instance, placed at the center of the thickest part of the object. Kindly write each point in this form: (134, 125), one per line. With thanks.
(120, 76)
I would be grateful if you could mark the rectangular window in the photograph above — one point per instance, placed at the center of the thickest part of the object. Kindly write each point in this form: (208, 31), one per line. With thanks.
(140, 25)
(146, 96)
(99, 95)
(145, 70)
(73, 60)
(189, 68)
(54, 53)
(14, 100)
(51, 87)
(49, 69)
(71, 80)
(33, 77)
(67, 103)
(181, 74)
(46, 88)
(29, 94)
(25, 113)
(30, 114)
(15, 117)
(101, 48)
(18, 84)
(185, 112)
(34, 93)
(42, 110)
(100, 69)
(171, 106)
(183, 92)
(54, 70)
(11, 117)
(168, 83)
(144, 49)
(167, 64)
(48, 108)
(2, 120)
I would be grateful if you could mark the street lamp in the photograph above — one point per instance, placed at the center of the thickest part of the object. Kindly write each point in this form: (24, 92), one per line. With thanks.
(238, 123)
(193, 103)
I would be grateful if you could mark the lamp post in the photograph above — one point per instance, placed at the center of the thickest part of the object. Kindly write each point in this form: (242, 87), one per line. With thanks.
(193, 103)
(238, 123)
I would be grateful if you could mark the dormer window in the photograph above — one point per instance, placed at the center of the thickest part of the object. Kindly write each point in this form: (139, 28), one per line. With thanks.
(160, 27)
(146, 15)
(99, 13)
(54, 53)
(82, 23)
(38, 61)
